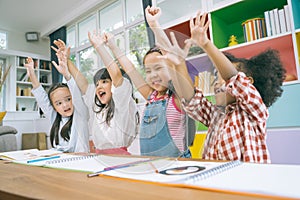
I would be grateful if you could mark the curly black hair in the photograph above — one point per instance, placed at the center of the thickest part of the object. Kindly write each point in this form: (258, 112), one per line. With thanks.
(267, 71)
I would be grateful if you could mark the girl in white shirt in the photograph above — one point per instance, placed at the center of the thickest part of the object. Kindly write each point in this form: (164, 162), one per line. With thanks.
(68, 115)
(113, 112)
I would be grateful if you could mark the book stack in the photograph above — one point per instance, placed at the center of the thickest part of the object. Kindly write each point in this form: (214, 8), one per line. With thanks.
(254, 29)
(277, 21)
(204, 81)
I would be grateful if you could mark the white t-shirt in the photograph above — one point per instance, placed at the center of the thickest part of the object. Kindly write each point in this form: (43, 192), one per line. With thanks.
(122, 129)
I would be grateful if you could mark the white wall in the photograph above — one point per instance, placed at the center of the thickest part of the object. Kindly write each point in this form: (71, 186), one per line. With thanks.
(17, 42)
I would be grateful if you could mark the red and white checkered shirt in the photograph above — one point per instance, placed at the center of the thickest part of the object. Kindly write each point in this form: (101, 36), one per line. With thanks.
(238, 131)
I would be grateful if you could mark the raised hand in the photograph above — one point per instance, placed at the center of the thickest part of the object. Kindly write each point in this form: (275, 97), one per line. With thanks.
(61, 46)
(62, 66)
(96, 39)
(29, 66)
(174, 52)
(152, 15)
(110, 40)
(30, 72)
(199, 30)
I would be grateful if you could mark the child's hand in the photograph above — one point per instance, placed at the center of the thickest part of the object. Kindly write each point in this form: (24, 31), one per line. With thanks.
(29, 66)
(61, 46)
(96, 39)
(175, 53)
(199, 30)
(62, 66)
(152, 15)
(110, 40)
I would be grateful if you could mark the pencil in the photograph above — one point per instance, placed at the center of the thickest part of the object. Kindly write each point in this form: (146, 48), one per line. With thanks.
(130, 164)
(42, 159)
(155, 169)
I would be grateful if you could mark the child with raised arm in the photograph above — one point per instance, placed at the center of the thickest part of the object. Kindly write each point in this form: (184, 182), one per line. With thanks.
(163, 129)
(67, 113)
(245, 88)
(113, 111)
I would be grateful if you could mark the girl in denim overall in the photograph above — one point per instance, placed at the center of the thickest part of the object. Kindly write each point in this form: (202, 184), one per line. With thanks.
(155, 134)
(155, 137)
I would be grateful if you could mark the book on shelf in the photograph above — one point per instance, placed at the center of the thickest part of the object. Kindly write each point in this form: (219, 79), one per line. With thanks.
(23, 77)
(272, 22)
(282, 21)
(22, 60)
(276, 21)
(268, 23)
(287, 17)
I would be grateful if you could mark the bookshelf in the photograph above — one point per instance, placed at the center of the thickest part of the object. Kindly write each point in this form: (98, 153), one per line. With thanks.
(23, 100)
(227, 18)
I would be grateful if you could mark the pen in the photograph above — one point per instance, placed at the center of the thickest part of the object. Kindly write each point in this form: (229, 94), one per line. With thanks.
(42, 159)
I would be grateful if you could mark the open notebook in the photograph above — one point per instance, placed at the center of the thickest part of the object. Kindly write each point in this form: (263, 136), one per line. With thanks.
(166, 170)
(235, 176)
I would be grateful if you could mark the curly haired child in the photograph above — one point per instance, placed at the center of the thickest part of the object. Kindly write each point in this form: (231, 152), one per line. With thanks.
(244, 90)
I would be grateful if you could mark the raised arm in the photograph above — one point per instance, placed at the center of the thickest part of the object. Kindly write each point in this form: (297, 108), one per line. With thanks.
(30, 72)
(199, 36)
(80, 79)
(152, 16)
(128, 67)
(181, 79)
(98, 41)
(62, 67)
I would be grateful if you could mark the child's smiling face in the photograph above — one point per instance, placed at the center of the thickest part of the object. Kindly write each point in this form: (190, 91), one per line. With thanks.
(157, 74)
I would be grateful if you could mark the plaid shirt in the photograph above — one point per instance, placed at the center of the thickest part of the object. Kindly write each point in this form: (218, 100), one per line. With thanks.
(238, 131)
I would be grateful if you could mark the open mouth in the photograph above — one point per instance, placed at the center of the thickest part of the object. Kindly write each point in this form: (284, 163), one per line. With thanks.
(157, 82)
(101, 94)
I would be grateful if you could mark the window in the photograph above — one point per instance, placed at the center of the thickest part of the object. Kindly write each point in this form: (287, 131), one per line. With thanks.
(3, 40)
(134, 12)
(138, 44)
(174, 9)
(87, 25)
(88, 63)
(71, 39)
(111, 17)
(126, 22)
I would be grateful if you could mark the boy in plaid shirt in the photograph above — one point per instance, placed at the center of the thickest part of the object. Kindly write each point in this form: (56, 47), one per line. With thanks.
(244, 90)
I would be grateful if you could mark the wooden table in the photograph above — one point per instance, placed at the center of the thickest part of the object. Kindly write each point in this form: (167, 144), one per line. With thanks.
(19, 181)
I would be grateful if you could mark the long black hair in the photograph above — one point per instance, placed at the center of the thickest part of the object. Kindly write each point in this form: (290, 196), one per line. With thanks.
(103, 74)
(66, 129)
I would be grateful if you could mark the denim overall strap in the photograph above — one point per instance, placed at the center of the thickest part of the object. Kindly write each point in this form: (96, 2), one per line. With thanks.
(155, 138)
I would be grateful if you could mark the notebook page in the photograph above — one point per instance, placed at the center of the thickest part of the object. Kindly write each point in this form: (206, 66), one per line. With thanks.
(270, 179)
(169, 170)
(90, 164)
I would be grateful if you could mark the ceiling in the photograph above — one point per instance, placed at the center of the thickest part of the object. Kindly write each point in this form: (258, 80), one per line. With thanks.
(43, 16)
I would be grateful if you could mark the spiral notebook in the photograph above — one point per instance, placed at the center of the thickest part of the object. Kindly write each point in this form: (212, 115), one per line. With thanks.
(90, 163)
(164, 170)
(173, 171)
(268, 180)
